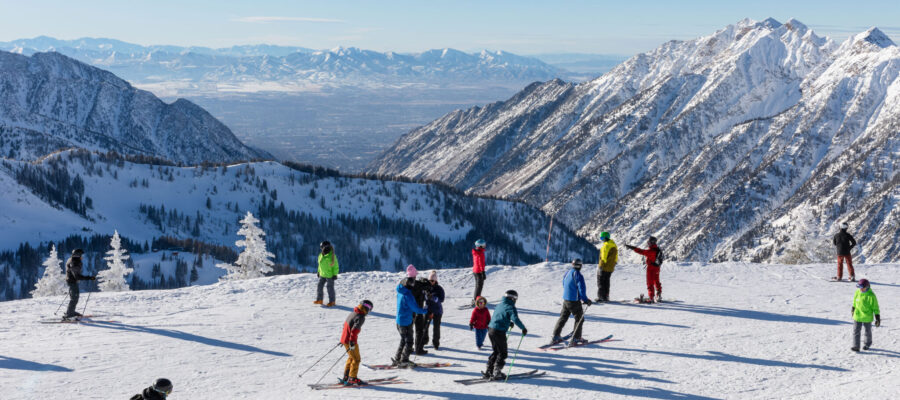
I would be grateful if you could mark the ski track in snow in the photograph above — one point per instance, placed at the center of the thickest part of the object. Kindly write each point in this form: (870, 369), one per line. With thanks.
(737, 330)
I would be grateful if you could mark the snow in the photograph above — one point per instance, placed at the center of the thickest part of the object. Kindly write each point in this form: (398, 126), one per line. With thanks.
(736, 331)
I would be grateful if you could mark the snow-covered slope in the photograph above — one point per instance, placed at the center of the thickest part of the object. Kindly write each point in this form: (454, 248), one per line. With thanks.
(49, 101)
(736, 331)
(716, 145)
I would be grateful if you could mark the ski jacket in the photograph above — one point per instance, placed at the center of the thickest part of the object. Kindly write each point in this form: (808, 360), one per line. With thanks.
(435, 300)
(353, 325)
(73, 270)
(328, 265)
(609, 256)
(420, 289)
(480, 318)
(844, 242)
(650, 255)
(148, 394)
(406, 306)
(478, 260)
(504, 315)
(574, 288)
(865, 305)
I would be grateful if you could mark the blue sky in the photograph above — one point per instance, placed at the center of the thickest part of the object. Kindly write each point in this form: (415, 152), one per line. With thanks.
(525, 27)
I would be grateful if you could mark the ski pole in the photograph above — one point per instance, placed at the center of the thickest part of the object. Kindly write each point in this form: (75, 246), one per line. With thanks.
(317, 362)
(332, 367)
(579, 322)
(60, 305)
(84, 309)
(514, 358)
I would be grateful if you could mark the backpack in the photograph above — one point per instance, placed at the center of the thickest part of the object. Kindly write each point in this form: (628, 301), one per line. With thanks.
(659, 258)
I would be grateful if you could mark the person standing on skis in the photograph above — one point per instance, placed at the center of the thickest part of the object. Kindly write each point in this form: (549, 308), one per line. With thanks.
(609, 257)
(844, 242)
(328, 273)
(653, 258)
(73, 275)
(574, 293)
(478, 268)
(504, 316)
(406, 309)
(349, 335)
(435, 303)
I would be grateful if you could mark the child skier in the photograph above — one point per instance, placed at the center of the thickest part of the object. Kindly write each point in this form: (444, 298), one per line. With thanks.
(653, 258)
(435, 310)
(865, 305)
(479, 321)
(328, 273)
(352, 326)
(504, 316)
(478, 267)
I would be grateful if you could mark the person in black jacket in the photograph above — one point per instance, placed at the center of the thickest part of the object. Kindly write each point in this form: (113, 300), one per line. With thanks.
(844, 242)
(435, 310)
(73, 275)
(159, 391)
(421, 290)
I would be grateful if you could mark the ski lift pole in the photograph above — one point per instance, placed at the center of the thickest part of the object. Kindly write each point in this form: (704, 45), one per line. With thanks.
(549, 233)
(514, 358)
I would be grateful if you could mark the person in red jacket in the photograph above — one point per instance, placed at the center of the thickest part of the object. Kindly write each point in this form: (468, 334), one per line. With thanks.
(653, 257)
(479, 321)
(478, 268)
(352, 326)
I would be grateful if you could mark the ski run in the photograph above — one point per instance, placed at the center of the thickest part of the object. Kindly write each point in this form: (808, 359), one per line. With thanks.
(739, 331)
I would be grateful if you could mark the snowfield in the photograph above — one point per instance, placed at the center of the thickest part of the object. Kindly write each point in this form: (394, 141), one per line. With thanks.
(733, 331)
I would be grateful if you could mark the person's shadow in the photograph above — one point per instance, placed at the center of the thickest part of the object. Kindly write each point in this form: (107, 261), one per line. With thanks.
(17, 363)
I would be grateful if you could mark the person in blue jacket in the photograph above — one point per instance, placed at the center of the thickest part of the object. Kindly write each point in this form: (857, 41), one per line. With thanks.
(574, 293)
(406, 307)
(504, 316)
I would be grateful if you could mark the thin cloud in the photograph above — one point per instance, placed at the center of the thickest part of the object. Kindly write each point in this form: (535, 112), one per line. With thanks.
(266, 20)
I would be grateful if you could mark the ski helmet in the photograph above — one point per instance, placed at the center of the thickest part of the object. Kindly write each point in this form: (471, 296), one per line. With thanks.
(368, 305)
(577, 263)
(480, 243)
(324, 244)
(77, 252)
(512, 295)
(652, 240)
(604, 236)
(863, 283)
(163, 385)
(844, 225)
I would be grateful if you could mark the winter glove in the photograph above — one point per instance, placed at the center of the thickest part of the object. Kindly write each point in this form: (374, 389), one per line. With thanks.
(352, 346)
(471, 327)
(630, 246)
(335, 277)
(877, 320)
(94, 278)
(588, 302)
(524, 331)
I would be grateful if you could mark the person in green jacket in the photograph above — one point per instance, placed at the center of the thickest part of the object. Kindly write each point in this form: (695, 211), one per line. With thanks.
(328, 273)
(865, 306)
(609, 257)
(505, 315)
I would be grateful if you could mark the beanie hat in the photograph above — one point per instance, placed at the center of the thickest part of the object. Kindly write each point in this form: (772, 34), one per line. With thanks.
(432, 276)
(411, 271)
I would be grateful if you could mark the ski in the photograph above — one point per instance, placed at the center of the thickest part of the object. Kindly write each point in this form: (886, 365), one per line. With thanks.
(569, 345)
(416, 365)
(83, 320)
(522, 375)
(393, 380)
(551, 344)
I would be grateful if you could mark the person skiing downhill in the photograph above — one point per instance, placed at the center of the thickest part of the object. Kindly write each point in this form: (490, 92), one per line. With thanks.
(609, 257)
(653, 258)
(435, 310)
(479, 321)
(349, 335)
(158, 391)
(505, 315)
(478, 270)
(73, 275)
(574, 293)
(327, 272)
(844, 242)
(406, 308)
(865, 306)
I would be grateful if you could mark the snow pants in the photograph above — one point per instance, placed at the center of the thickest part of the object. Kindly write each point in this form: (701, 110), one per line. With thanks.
(406, 343)
(653, 283)
(603, 285)
(570, 308)
(480, 334)
(479, 283)
(421, 324)
(857, 327)
(435, 324)
(74, 293)
(840, 260)
(322, 283)
(498, 357)
(351, 368)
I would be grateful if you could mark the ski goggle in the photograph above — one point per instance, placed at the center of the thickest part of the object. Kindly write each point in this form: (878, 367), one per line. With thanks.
(367, 306)
(165, 392)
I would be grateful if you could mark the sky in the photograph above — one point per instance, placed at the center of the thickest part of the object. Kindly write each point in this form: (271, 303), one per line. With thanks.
(524, 27)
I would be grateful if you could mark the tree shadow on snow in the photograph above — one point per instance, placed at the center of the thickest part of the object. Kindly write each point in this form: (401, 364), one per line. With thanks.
(594, 318)
(17, 363)
(649, 392)
(447, 395)
(720, 356)
(174, 334)
(739, 313)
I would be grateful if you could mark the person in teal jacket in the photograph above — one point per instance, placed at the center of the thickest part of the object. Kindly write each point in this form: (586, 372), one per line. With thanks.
(328, 273)
(865, 306)
(505, 315)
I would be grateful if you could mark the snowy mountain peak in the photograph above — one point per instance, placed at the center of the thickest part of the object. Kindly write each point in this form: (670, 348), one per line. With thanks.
(793, 24)
(875, 36)
(770, 23)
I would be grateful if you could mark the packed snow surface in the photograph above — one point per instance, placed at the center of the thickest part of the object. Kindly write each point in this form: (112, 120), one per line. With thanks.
(733, 330)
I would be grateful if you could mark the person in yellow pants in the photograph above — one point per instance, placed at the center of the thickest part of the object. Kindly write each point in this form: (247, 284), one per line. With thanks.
(349, 335)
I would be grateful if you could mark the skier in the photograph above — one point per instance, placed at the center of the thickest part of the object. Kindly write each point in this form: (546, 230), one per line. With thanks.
(421, 292)
(865, 305)
(653, 258)
(574, 293)
(406, 307)
(159, 391)
(504, 316)
(478, 267)
(844, 242)
(328, 273)
(73, 275)
(479, 321)
(349, 335)
(435, 310)
(609, 256)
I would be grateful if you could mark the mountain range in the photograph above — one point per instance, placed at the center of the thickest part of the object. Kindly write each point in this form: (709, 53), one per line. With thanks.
(740, 145)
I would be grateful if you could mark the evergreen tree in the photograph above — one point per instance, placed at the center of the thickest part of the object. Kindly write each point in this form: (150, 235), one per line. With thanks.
(53, 283)
(255, 261)
(113, 279)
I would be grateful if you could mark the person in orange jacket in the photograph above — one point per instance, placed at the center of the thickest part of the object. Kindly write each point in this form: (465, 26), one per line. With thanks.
(653, 257)
(352, 326)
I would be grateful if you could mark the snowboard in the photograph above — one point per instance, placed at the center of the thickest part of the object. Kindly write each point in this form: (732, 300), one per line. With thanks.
(417, 365)
(566, 345)
(393, 380)
(523, 375)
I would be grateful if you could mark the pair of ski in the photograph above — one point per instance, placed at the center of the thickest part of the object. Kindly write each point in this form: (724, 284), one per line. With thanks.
(392, 380)
(512, 377)
(564, 343)
(84, 319)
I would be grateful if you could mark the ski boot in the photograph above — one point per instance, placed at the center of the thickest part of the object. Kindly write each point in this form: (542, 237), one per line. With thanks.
(498, 376)
(578, 341)
(852, 278)
(556, 339)
(354, 381)
(319, 302)
(866, 347)
(856, 349)
(487, 374)
(330, 304)
(344, 381)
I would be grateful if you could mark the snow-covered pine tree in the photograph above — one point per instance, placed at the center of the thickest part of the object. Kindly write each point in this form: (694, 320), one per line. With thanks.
(53, 283)
(255, 261)
(804, 245)
(113, 279)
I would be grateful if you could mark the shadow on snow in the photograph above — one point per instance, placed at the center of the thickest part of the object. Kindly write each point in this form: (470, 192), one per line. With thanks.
(17, 363)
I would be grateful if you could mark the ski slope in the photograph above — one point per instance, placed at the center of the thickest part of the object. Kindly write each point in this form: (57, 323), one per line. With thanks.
(735, 331)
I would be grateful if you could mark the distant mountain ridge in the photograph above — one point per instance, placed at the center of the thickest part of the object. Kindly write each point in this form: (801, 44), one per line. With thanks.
(739, 145)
